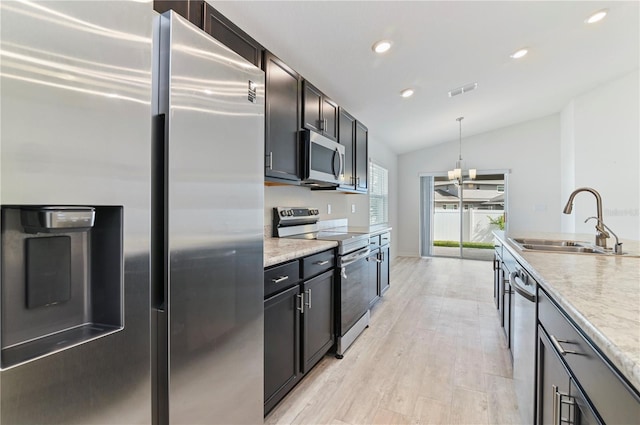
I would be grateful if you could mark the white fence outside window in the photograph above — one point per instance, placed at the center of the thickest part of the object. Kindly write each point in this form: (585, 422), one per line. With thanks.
(476, 226)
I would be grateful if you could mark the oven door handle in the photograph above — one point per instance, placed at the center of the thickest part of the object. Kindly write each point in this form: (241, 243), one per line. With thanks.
(347, 260)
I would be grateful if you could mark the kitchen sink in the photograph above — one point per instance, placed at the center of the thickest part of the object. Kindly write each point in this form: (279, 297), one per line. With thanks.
(559, 245)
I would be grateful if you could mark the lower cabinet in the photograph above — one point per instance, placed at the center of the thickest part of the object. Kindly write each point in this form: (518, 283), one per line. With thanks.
(281, 345)
(383, 277)
(589, 390)
(317, 319)
(372, 266)
(298, 322)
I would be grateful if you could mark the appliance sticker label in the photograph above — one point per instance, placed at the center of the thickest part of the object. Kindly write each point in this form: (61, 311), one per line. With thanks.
(252, 92)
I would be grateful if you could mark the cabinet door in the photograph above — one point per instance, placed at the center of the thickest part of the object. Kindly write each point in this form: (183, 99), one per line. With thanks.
(282, 119)
(190, 9)
(553, 383)
(312, 107)
(231, 36)
(383, 274)
(329, 118)
(318, 319)
(281, 345)
(346, 137)
(372, 282)
(361, 154)
(496, 280)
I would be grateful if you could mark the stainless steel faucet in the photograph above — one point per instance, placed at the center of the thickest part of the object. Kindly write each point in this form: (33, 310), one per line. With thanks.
(601, 233)
(618, 247)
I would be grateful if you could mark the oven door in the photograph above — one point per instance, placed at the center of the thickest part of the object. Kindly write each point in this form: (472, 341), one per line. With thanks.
(354, 292)
(324, 159)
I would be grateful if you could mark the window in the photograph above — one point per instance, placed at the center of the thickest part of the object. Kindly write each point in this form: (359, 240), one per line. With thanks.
(378, 194)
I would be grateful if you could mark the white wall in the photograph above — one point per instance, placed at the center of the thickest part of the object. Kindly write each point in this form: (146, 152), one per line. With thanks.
(602, 142)
(341, 203)
(531, 150)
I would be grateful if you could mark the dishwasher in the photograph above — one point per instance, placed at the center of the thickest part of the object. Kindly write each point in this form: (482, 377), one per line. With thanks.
(524, 341)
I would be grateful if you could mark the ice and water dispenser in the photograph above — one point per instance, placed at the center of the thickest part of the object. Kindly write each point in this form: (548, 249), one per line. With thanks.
(62, 278)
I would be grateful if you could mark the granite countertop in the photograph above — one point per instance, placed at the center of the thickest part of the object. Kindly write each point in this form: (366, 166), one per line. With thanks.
(601, 293)
(280, 250)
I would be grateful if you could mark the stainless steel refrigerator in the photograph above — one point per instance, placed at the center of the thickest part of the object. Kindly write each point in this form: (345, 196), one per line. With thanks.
(207, 239)
(75, 142)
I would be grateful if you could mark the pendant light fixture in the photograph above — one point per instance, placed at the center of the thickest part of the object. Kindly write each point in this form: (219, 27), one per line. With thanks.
(457, 173)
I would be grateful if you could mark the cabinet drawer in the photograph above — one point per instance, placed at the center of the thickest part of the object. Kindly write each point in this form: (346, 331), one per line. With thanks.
(281, 277)
(374, 242)
(385, 239)
(318, 263)
(612, 398)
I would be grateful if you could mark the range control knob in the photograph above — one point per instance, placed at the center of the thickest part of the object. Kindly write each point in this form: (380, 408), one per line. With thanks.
(289, 213)
(316, 212)
(283, 213)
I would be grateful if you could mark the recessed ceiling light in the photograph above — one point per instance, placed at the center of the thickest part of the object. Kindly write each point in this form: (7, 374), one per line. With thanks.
(381, 46)
(519, 54)
(596, 17)
(407, 93)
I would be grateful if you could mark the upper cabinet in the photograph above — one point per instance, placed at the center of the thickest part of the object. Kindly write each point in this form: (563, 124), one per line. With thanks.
(191, 9)
(231, 36)
(346, 137)
(320, 113)
(362, 157)
(354, 136)
(214, 23)
(282, 120)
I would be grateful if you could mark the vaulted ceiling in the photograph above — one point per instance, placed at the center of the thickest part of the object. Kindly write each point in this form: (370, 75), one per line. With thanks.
(441, 45)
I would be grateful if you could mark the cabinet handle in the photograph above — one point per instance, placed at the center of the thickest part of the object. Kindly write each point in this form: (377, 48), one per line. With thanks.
(324, 125)
(270, 164)
(308, 292)
(381, 256)
(562, 351)
(321, 263)
(555, 411)
(280, 279)
(301, 307)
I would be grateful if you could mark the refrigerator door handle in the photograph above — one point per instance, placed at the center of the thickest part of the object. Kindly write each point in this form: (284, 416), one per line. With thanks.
(158, 272)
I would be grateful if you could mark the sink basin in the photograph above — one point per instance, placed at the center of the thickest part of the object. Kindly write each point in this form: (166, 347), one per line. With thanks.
(549, 242)
(565, 248)
(558, 245)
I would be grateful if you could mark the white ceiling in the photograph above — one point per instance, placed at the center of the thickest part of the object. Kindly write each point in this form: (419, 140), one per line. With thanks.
(441, 45)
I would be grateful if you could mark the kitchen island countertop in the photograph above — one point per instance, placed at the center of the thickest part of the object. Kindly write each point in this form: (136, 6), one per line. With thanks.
(600, 293)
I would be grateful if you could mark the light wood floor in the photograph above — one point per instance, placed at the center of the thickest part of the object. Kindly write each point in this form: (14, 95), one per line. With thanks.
(434, 353)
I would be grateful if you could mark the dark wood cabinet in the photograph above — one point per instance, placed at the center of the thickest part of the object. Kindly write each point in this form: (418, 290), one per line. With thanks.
(383, 277)
(282, 345)
(317, 319)
(553, 382)
(346, 137)
(231, 36)
(299, 326)
(355, 137)
(193, 10)
(361, 157)
(282, 120)
(372, 283)
(597, 393)
(319, 113)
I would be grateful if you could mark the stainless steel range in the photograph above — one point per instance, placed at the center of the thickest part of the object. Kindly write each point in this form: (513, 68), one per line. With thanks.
(352, 297)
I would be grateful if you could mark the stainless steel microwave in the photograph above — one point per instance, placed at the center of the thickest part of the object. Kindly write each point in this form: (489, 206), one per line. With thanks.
(323, 162)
